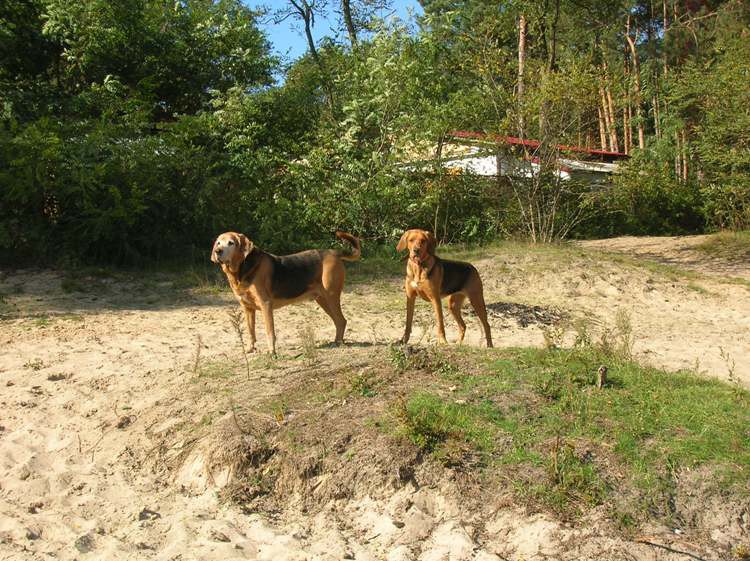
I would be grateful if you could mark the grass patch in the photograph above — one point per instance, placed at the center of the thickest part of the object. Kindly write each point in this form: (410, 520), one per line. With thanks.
(200, 279)
(731, 246)
(536, 417)
(216, 370)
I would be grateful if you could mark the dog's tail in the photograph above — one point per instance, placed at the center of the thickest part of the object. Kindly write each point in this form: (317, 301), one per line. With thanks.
(355, 245)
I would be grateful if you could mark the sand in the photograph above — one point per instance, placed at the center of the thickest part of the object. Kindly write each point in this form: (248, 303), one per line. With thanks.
(84, 375)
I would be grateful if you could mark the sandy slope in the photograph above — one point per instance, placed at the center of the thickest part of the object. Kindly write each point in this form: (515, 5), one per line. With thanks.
(83, 377)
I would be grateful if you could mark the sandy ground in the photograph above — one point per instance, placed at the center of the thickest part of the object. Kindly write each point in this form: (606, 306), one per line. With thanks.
(677, 250)
(83, 376)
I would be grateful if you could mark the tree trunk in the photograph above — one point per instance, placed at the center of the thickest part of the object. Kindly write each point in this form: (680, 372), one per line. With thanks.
(610, 108)
(625, 142)
(608, 124)
(684, 156)
(305, 10)
(630, 125)
(637, 86)
(602, 133)
(521, 64)
(346, 9)
(613, 120)
(552, 61)
(665, 15)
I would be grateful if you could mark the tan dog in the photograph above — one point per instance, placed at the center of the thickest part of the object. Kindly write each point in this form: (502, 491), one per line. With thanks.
(265, 282)
(433, 278)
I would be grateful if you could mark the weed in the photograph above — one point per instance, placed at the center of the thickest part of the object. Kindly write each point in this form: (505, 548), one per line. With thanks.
(553, 336)
(309, 349)
(235, 319)
(583, 337)
(624, 330)
(742, 552)
(35, 364)
(216, 370)
(405, 357)
(197, 356)
(572, 481)
(734, 246)
(398, 357)
(200, 280)
(364, 384)
(618, 340)
(280, 410)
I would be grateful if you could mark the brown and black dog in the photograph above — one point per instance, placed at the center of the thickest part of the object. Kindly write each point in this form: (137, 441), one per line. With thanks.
(433, 278)
(262, 281)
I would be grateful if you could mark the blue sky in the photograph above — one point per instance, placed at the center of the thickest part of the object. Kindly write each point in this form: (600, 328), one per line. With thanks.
(288, 38)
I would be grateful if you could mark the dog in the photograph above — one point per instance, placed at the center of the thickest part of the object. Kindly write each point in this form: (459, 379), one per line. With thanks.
(265, 282)
(433, 278)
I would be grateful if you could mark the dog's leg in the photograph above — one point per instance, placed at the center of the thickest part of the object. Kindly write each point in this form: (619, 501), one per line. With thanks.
(332, 307)
(476, 298)
(437, 307)
(410, 300)
(455, 301)
(334, 301)
(267, 309)
(250, 320)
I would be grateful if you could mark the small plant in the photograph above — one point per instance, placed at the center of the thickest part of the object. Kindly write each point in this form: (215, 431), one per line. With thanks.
(549, 386)
(364, 384)
(553, 336)
(572, 480)
(235, 318)
(406, 357)
(280, 410)
(309, 348)
(399, 360)
(583, 337)
(197, 356)
(731, 365)
(618, 341)
(742, 552)
(624, 330)
(36, 364)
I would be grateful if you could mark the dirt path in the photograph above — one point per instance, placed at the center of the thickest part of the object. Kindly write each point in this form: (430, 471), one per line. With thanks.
(86, 376)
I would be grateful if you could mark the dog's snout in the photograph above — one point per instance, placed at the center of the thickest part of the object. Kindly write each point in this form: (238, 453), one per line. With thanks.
(218, 251)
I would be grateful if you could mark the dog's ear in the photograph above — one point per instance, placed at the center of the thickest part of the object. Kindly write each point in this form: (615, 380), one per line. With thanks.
(401, 246)
(214, 259)
(431, 242)
(246, 246)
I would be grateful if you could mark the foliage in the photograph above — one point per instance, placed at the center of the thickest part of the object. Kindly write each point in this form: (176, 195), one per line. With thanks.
(646, 199)
(132, 130)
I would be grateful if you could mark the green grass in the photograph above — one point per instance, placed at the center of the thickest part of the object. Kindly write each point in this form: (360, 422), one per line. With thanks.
(536, 417)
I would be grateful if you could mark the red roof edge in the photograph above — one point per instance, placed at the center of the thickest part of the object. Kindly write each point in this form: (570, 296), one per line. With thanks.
(535, 143)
